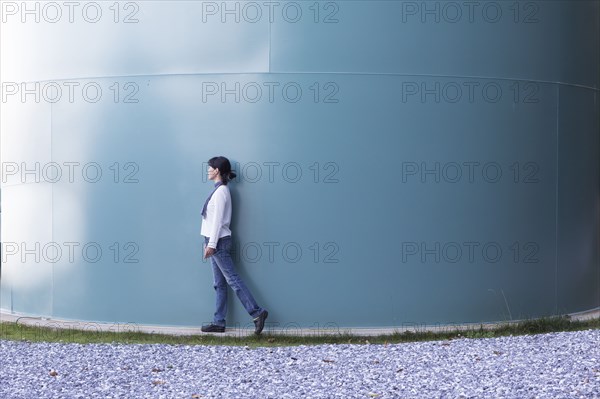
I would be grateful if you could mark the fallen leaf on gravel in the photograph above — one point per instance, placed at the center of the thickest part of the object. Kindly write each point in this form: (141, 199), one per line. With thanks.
(156, 370)
(53, 373)
(497, 353)
(196, 396)
(328, 361)
(158, 382)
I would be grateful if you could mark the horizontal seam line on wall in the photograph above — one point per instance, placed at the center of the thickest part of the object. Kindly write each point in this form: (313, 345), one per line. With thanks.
(314, 73)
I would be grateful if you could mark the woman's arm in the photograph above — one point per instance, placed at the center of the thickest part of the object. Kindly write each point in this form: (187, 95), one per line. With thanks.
(217, 216)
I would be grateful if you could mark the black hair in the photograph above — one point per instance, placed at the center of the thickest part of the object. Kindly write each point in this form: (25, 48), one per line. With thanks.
(224, 167)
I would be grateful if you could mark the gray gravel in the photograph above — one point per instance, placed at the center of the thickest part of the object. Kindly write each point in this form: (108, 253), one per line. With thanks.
(557, 365)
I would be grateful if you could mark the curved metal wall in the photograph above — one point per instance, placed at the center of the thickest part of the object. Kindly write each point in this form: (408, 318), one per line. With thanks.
(400, 162)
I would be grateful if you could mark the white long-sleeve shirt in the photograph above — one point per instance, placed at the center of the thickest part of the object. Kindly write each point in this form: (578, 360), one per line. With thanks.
(218, 216)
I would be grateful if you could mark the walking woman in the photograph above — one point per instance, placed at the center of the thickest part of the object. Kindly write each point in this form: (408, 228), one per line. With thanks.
(216, 216)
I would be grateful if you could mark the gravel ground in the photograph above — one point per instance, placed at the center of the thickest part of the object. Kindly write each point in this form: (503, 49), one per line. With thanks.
(557, 365)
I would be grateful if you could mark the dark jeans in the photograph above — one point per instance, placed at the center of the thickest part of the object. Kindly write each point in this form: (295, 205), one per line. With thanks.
(224, 274)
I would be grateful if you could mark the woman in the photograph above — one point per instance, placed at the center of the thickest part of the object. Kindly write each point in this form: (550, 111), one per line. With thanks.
(216, 216)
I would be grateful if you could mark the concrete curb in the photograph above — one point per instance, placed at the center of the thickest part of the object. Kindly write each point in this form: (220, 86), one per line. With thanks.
(328, 329)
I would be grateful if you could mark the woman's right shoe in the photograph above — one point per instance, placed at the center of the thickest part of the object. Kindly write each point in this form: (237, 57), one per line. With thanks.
(213, 328)
(259, 322)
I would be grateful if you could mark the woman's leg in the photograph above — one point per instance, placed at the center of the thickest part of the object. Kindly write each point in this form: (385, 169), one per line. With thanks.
(220, 286)
(223, 261)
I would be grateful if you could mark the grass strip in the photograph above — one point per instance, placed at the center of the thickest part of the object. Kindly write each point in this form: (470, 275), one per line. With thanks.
(20, 332)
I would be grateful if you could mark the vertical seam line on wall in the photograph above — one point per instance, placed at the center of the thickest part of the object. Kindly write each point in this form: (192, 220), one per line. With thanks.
(10, 284)
(51, 217)
(0, 162)
(597, 104)
(270, 25)
(556, 206)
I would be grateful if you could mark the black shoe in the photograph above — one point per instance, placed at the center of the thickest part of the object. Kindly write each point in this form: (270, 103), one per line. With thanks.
(213, 328)
(259, 322)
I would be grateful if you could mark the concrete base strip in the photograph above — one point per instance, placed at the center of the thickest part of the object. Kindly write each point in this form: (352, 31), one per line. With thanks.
(273, 328)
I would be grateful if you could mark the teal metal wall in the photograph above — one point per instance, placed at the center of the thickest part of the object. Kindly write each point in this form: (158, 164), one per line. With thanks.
(399, 162)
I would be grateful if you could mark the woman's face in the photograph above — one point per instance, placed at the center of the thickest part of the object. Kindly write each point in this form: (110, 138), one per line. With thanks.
(212, 173)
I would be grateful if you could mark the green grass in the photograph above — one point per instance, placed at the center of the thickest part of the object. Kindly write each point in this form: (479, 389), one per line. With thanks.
(20, 332)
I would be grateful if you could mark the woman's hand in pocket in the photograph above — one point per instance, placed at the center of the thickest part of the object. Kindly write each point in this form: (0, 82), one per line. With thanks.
(208, 252)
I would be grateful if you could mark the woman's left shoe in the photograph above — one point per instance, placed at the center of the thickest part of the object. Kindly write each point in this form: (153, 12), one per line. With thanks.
(213, 328)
